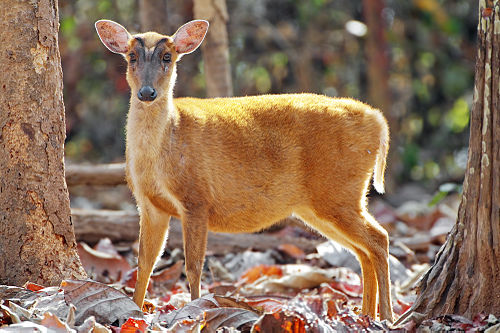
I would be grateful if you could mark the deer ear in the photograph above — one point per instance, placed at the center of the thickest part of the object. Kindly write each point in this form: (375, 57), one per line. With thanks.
(114, 36)
(189, 36)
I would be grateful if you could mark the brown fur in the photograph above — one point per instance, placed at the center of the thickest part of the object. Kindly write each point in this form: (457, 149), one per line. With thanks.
(241, 164)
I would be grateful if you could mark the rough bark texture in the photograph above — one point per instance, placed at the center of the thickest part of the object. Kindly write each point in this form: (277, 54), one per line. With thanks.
(153, 16)
(215, 47)
(465, 278)
(37, 242)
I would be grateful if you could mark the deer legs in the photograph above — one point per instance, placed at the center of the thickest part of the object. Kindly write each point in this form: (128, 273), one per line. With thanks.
(194, 231)
(154, 226)
(363, 235)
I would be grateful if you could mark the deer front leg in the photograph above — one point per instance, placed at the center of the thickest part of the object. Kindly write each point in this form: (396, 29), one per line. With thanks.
(194, 230)
(154, 225)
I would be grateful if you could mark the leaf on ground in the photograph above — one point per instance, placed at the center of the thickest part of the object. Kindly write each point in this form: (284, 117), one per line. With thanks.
(107, 304)
(108, 264)
(210, 312)
(51, 299)
(294, 277)
(54, 324)
(266, 303)
(292, 250)
(33, 286)
(256, 272)
(280, 322)
(133, 325)
(230, 302)
(227, 317)
(166, 279)
(190, 311)
(21, 296)
(25, 326)
(223, 288)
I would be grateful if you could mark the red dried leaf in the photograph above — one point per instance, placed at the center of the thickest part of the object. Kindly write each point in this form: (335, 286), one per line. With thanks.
(353, 290)
(33, 286)
(167, 308)
(280, 322)
(401, 307)
(254, 273)
(133, 325)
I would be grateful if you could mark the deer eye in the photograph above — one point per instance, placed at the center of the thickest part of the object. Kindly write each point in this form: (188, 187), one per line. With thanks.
(167, 57)
(132, 57)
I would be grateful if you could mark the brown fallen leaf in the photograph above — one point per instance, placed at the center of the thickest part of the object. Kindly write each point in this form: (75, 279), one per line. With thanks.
(166, 278)
(209, 312)
(214, 319)
(106, 304)
(295, 278)
(54, 324)
(292, 251)
(103, 264)
(266, 303)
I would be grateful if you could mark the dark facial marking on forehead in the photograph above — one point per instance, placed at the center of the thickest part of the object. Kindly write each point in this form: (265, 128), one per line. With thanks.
(140, 40)
(163, 40)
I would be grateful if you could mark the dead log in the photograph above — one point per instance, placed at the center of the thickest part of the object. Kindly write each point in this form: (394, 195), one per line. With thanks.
(100, 174)
(92, 225)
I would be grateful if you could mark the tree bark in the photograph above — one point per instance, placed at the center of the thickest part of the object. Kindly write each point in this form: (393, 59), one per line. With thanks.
(153, 16)
(465, 278)
(37, 241)
(215, 47)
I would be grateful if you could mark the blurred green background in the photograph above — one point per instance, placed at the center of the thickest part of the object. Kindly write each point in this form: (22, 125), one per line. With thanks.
(279, 46)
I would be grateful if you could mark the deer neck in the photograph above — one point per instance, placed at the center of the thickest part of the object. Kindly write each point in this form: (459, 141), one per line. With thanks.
(148, 124)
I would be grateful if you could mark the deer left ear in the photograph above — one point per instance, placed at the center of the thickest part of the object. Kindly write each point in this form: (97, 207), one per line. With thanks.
(190, 35)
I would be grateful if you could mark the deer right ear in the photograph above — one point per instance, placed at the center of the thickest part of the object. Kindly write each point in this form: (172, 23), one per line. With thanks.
(114, 36)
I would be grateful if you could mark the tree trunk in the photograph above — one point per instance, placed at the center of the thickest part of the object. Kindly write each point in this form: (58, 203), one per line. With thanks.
(215, 47)
(37, 241)
(465, 278)
(377, 64)
(153, 16)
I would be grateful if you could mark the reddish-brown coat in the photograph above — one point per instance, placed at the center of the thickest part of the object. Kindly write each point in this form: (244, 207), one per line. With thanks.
(242, 164)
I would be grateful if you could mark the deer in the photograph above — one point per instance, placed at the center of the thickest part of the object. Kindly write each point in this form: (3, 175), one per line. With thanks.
(241, 164)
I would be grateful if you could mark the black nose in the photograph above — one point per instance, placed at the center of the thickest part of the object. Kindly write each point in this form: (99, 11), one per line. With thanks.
(147, 94)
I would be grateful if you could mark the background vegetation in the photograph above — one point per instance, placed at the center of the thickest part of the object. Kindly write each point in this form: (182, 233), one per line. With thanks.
(279, 46)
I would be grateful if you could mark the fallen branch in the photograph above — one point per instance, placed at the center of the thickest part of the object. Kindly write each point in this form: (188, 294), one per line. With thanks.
(99, 174)
(92, 225)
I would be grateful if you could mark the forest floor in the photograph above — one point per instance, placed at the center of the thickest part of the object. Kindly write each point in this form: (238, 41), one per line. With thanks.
(282, 288)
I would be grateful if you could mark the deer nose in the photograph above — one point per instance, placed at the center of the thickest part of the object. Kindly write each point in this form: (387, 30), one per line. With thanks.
(147, 94)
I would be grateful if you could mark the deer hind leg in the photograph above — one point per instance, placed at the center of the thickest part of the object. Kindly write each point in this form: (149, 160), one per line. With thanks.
(368, 272)
(369, 241)
(154, 225)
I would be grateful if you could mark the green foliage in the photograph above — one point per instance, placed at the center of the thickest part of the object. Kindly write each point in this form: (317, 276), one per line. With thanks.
(443, 191)
(457, 118)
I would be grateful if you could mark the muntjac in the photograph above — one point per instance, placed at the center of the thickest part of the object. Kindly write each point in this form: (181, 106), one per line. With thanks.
(242, 164)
